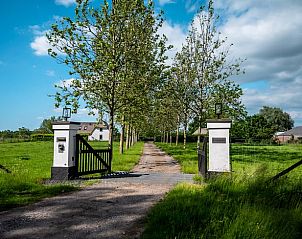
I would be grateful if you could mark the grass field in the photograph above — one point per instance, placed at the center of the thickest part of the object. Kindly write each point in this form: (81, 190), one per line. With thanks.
(243, 205)
(29, 163)
(245, 158)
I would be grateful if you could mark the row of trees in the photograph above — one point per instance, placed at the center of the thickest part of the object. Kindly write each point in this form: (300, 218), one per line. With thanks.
(24, 133)
(120, 63)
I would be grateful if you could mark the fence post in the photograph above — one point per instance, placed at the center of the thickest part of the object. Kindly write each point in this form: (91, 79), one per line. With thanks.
(110, 159)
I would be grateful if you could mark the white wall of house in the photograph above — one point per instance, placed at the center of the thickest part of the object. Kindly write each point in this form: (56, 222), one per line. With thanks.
(99, 134)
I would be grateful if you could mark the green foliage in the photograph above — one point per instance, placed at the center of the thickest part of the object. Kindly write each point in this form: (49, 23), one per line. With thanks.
(46, 125)
(41, 137)
(114, 51)
(262, 126)
(203, 71)
(254, 127)
(229, 207)
(241, 205)
(277, 118)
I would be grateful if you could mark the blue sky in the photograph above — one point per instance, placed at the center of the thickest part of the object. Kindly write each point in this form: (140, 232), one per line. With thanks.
(267, 33)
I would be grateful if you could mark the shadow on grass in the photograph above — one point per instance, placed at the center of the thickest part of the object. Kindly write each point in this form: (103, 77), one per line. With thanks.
(229, 208)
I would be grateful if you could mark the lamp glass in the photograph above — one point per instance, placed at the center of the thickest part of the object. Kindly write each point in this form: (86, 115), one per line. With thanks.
(218, 108)
(66, 113)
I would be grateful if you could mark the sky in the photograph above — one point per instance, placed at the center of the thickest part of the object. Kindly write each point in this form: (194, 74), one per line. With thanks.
(267, 33)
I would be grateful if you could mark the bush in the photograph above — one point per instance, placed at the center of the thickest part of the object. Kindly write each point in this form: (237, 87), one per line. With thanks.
(41, 137)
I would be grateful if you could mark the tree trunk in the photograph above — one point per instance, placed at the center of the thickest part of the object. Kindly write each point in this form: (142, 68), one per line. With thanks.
(122, 138)
(177, 131)
(170, 138)
(130, 136)
(127, 136)
(185, 134)
(111, 126)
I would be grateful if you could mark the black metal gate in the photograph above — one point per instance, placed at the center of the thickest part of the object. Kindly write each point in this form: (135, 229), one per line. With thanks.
(202, 159)
(89, 160)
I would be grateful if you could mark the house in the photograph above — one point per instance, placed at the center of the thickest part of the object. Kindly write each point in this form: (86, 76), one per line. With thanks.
(201, 131)
(94, 131)
(292, 134)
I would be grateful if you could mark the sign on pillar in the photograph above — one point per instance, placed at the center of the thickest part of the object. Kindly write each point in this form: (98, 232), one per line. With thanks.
(64, 150)
(219, 145)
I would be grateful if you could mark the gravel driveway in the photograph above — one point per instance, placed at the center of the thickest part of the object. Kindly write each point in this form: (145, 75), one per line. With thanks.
(114, 208)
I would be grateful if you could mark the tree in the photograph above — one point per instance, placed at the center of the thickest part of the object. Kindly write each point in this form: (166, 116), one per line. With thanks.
(280, 120)
(46, 125)
(24, 133)
(114, 51)
(204, 63)
(254, 127)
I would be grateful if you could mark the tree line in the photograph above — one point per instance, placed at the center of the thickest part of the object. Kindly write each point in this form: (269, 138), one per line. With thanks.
(120, 63)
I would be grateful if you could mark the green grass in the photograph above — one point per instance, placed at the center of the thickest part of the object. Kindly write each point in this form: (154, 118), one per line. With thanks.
(30, 163)
(245, 158)
(241, 205)
(125, 161)
(186, 157)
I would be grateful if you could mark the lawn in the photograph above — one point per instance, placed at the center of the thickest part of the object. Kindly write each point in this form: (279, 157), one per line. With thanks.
(245, 158)
(29, 163)
(241, 205)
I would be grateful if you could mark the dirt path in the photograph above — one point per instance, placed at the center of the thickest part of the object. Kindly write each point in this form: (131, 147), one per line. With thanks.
(114, 208)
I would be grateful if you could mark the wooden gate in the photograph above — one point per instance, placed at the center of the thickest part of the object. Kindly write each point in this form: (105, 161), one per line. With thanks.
(89, 160)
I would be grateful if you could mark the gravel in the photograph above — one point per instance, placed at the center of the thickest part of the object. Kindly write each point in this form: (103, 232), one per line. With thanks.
(114, 208)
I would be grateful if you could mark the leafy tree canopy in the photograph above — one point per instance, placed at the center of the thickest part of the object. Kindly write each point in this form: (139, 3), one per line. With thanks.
(279, 120)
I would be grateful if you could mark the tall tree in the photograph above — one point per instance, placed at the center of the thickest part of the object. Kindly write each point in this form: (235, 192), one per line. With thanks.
(204, 61)
(280, 120)
(114, 50)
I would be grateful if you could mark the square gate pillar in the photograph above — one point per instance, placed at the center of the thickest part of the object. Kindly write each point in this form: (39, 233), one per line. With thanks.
(219, 145)
(64, 150)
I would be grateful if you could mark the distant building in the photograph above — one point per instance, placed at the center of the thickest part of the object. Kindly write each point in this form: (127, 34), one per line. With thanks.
(292, 134)
(201, 131)
(94, 131)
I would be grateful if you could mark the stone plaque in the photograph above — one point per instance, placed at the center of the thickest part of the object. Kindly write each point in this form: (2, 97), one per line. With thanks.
(219, 140)
(61, 139)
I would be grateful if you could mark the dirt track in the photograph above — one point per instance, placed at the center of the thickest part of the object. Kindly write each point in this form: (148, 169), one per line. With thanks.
(114, 208)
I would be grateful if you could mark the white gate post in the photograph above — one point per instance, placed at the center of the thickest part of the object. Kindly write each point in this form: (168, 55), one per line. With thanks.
(64, 150)
(219, 145)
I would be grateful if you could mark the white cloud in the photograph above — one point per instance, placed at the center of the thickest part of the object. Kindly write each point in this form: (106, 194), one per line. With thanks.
(163, 2)
(50, 73)
(192, 5)
(267, 33)
(65, 3)
(40, 45)
(176, 35)
(67, 82)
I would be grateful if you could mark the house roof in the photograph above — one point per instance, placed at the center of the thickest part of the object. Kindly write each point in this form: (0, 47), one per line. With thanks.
(201, 131)
(294, 131)
(88, 127)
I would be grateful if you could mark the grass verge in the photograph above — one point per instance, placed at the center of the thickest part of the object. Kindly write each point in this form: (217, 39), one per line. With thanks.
(229, 208)
(241, 205)
(26, 165)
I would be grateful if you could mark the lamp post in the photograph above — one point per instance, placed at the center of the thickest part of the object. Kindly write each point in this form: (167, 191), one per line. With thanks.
(218, 109)
(66, 113)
